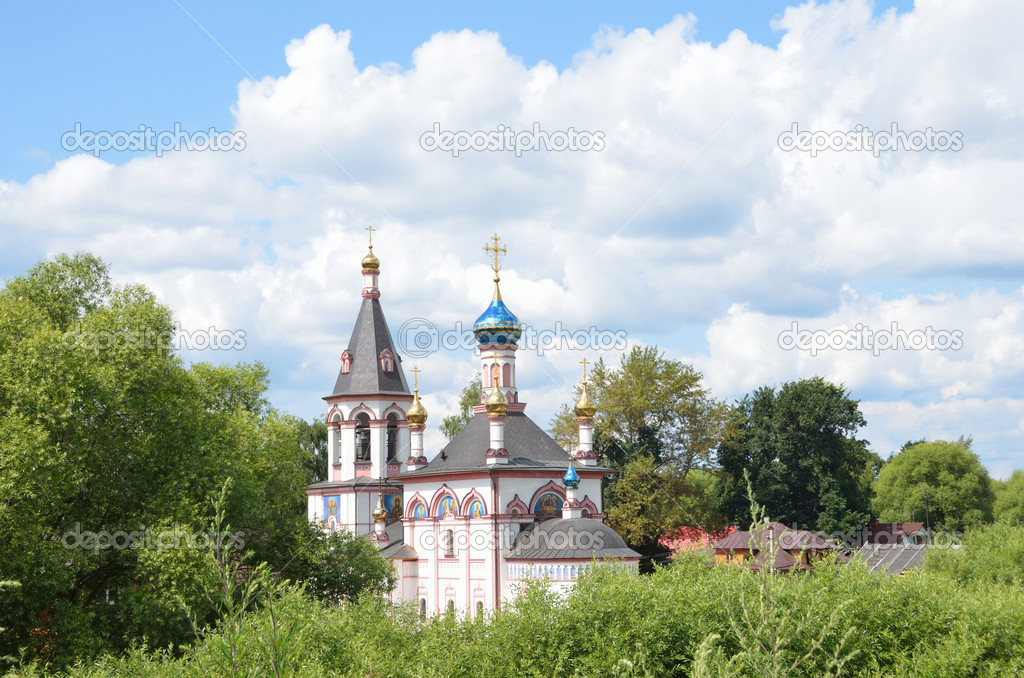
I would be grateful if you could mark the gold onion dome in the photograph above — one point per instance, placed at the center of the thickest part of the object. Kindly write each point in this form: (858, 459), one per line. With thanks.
(370, 262)
(416, 414)
(380, 513)
(585, 406)
(496, 403)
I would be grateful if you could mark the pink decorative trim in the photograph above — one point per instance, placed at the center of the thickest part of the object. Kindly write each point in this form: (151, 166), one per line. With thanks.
(552, 486)
(359, 410)
(442, 492)
(517, 503)
(393, 407)
(473, 495)
(363, 468)
(417, 499)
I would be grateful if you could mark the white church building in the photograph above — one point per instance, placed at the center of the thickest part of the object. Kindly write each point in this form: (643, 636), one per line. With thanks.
(501, 503)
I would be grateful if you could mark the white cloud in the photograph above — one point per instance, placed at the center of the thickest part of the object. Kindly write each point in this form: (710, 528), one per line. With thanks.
(691, 217)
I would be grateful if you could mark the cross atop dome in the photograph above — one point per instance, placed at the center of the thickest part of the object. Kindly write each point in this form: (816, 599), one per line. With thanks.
(497, 250)
(497, 324)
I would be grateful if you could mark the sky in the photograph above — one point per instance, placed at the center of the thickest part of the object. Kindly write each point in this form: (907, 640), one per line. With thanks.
(715, 179)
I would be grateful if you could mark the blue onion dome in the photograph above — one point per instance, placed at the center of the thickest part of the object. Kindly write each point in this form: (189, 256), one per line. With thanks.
(571, 479)
(497, 324)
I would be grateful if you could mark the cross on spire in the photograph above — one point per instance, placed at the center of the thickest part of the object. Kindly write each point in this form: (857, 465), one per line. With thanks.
(370, 229)
(416, 377)
(496, 249)
(585, 363)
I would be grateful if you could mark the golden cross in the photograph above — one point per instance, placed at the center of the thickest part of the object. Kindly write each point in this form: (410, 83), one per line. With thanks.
(585, 363)
(371, 229)
(416, 377)
(496, 250)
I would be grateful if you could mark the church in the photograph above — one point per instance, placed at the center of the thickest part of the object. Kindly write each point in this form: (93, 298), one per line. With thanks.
(499, 504)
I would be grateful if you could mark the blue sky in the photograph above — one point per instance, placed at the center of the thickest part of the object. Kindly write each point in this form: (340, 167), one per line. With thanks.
(693, 230)
(159, 62)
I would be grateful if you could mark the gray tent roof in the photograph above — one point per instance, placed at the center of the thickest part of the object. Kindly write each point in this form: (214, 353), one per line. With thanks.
(569, 539)
(370, 337)
(527, 444)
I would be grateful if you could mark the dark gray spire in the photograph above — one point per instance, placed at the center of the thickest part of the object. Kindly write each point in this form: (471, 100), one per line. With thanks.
(370, 339)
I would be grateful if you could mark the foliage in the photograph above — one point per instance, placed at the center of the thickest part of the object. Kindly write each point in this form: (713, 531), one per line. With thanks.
(647, 502)
(925, 623)
(104, 430)
(337, 566)
(1009, 502)
(806, 465)
(650, 405)
(313, 439)
(470, 396)
(957, 486)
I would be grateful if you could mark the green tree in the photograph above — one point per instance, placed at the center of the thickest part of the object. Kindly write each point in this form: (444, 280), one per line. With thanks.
(649, 501)
(314, 445)
(340, 566)
(470, 396)
(650, 405)
(806, 465)
(958, 487)
(1009, 502)
(103, 430)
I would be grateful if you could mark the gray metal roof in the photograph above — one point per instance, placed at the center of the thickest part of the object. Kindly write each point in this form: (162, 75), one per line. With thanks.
(569, 539)
(370, 337)
(528, 445)
(892, 558)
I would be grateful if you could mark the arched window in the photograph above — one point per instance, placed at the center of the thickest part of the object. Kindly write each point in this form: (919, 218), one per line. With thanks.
(423, 608)
(387, 360)
(392, 437)
(362, 437)
(449, 544)
(479, 607)
(451, 605)
(346, 362)
(506, 375)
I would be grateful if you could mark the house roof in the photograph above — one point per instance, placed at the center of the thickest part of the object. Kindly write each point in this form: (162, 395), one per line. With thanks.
(787, 538)
(569, 539)
(784, 561)
(529, 447)
(370, 337)
(686, 538)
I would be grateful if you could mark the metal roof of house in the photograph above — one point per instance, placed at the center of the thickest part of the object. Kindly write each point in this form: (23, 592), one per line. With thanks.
(892, 558)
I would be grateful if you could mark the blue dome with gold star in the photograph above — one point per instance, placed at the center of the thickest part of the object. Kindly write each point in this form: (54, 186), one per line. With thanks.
(571, 479)
(497, 324)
